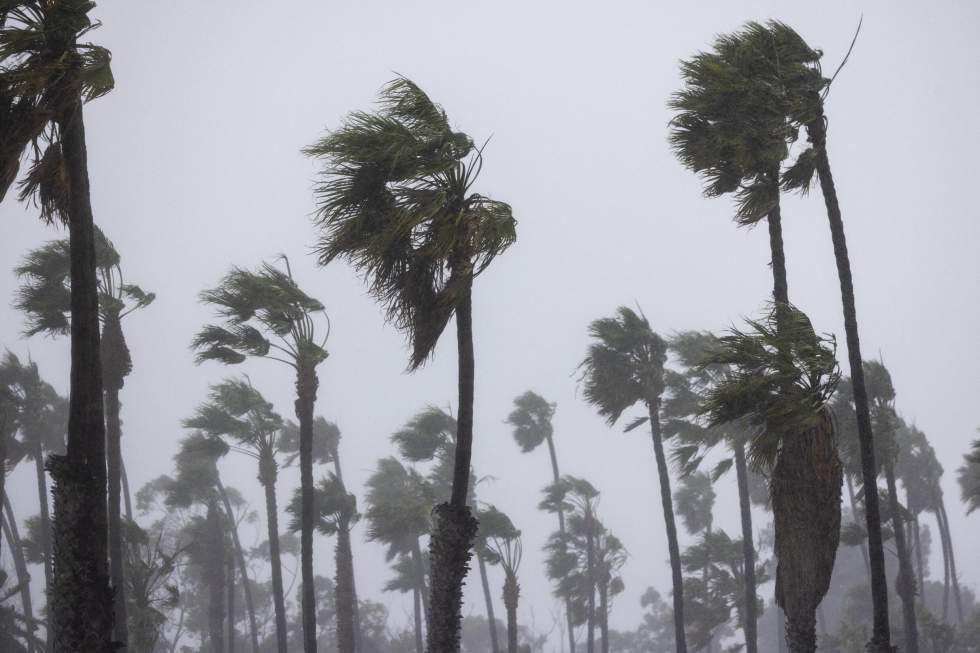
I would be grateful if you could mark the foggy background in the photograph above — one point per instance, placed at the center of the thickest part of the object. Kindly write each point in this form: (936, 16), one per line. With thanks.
(195, 165)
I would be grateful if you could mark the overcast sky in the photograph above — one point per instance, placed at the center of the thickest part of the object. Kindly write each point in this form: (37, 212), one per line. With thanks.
(195, 166)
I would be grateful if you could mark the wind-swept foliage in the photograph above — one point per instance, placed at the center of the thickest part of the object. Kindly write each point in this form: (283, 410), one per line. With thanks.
(969, 478)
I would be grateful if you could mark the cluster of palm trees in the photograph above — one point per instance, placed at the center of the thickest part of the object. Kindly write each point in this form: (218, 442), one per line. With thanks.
(396, 200)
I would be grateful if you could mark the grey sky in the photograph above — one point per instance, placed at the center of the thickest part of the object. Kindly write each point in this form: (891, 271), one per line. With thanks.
(195, 165)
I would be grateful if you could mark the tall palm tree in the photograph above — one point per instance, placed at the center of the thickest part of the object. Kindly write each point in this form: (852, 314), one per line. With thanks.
(502, 542)
(624, 366)
(42, 417)
(396, 201)
(531, 419)
(45, 76)
(44, 298)
(238, 414)
(969, 478)
(266, 315)
(610, 558)
(782, 375)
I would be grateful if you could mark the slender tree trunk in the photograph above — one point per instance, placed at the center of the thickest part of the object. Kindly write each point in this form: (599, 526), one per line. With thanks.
(488, 600)
(561, 528)
(344, 590)
(945, 548)
(780, 287)
(512, 594)
(904, 582)
(42, 495)
(918, 559)
(275, 560)
(881, 634)
(116, 557)
(80, 597)
(454, 528)
(590, 571)
(417, 605)
(242, 567)
(215, 580)
(666, 499)
(952, 562)
(854, 514)
(748, 549)
(230, 574)
(604, 615)
(420, 592)
(306, 387)
(10, 531)
(127, 498)
(351, 598)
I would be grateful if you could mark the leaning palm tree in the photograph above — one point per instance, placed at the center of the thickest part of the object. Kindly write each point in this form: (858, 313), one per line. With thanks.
(266, 315)
(531, 419)
(624, 366)
(396, 201)
(45, 76)
(238, 414)
(45, 299)
(782, 375)
(969, 478)
(494, 525)
(502, 541)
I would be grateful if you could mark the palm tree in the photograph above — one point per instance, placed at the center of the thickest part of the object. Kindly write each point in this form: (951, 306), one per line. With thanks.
(395, 201)
(239, 415)
(625, 366)
(781, 377)
(610, 558)
(266, 315)
(10, 531)
(502, 544)
(969, 478)
(45, 76)
(531, 419)
(44, 298)
(336, 513)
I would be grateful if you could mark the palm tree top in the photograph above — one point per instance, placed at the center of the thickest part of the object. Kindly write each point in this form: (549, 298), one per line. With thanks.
(395, 201)
(429, 434)
(624, 364)
(326, 441)
(399, 501)
(531, 419)
(265, 314)
(969, 478)
(236, 410)
(333, 506)
(35, 409)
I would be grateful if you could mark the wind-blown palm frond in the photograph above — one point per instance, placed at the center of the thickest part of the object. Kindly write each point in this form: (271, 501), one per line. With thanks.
(531, 419)
(326, 441)
(237, 411)
(969, 478)
(399, 503)
(333, 506)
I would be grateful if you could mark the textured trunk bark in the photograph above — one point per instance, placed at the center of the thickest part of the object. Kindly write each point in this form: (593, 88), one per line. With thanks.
(12, 534)
(854, 513)
(748, 549)
(881, 634)
(242, 568)
(780, 288)
(512, 594)
(127, 498)
(42, 496)
(561, 527)
(450, 546)
(275, 559)
(81, 600)
(344, 591)
(488, 600)
(355, 616)
(590, 571)
(667, 502)
(604, 615)
(116, 556)
(215, 580)
(306, 387)
(904, 582)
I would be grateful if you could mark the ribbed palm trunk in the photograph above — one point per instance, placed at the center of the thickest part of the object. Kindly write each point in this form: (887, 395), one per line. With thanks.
(881, 634)
(748, 549)
(344, 591)
(275, 556)
(42, 495)
(667, 502)
(590, 619)
(957, 598)
(242, 568)
(116, 556)
(454, 528)
(306, 387)
(561, 528)
(488, 600)
(12, 534)
(80, 596)
(512, 594)
(806, 493)
(214, 577)
(905, 581)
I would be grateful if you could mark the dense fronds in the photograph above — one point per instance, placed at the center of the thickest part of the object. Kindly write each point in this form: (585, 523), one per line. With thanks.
(237, 411)
(197, 471)
(37, 413)
(334, 508)
(428, 434)
(394, 201)
(265, 314)
(326, 441)
(399, 502)
(494, 524)
(624, 364)
(531, 419)
(780, 379)
(694, 501)
(969, 478)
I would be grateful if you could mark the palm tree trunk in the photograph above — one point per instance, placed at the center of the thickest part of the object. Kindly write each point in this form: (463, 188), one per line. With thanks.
(488, 600)
(417, 606)
(854, 514)
(667, 502)
(918, 559)
(881, 634)
(344, 591)
(275, 560)
(454, 527)
(351, 599)
(561, 528)
(780, 629)
(42, 495)
(604, 615)
(20, 566)
(306, 387)
(215, 580)
(952, 562)
(242, 567)
(590, 572)
(905, 582)
(113, 467)
(780, 288)
(127, 499)
(80, 596)
(230, 575)
(419, 593)
(945, 548)
(748, 549)
(512, 594)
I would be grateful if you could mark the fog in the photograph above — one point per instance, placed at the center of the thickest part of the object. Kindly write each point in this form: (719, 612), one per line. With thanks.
(196, 165)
